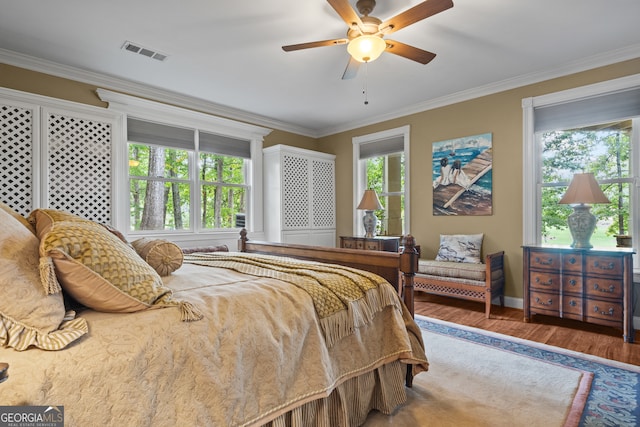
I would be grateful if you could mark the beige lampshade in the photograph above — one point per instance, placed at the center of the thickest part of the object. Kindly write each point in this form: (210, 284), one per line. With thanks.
(583, 189)
(370, 201)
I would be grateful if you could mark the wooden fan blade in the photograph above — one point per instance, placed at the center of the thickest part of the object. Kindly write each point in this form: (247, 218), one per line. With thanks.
(409, 52)
(347, 13)
(300, 46)
(417, 13)
(352, 69)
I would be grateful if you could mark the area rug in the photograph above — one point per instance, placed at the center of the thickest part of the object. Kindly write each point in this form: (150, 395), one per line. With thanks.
(479, 378)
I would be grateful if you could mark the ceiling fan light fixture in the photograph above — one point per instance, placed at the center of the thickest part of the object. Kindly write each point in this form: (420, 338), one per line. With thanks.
(366, 48)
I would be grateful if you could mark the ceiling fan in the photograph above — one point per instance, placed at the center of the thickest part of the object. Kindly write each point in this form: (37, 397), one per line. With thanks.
(365, 34)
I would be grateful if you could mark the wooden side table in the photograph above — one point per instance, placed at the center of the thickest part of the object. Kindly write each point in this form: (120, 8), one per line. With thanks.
(381, 243)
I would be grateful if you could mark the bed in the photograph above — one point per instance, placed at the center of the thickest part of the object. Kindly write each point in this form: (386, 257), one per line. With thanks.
(233, 341)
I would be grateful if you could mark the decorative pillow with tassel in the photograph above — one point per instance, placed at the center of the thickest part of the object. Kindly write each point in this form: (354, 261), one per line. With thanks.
(98, 269)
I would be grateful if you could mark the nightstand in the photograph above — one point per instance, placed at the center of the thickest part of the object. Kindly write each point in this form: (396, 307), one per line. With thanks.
(380, 243)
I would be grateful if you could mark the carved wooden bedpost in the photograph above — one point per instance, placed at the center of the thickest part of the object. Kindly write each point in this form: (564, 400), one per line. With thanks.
(242, 242)
(409, 267)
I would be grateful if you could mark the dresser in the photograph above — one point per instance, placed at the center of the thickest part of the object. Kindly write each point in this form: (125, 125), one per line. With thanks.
(590, 285)
(382, 243)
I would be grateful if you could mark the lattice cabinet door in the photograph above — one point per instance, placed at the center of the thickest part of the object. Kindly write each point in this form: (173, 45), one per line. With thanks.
(16, 156)
(79, 161)
(295, 192)
(323, 190)
(57, 155)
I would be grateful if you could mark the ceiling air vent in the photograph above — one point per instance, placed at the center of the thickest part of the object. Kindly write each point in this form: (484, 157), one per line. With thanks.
(136, 48)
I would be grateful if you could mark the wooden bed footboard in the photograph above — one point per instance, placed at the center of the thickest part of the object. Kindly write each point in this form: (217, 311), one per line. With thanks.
(398, 268)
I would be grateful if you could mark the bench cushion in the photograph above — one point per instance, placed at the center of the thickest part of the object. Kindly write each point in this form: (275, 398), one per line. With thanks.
(460, 270)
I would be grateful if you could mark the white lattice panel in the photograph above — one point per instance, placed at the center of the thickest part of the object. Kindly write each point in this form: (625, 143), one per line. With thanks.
(295, 195)
(16, 158)
(323, 190)
(79, 159)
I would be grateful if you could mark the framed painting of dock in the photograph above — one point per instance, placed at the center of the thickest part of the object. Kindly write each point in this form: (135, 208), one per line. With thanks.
(462, 176)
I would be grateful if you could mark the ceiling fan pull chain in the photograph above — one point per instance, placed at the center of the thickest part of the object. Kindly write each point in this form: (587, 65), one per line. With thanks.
(364, 90)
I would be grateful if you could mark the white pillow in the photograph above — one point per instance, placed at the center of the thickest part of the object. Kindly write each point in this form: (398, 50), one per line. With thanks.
(460, 248)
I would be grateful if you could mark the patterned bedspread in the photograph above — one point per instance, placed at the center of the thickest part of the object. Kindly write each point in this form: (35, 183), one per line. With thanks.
(258, 352)
(344, 298)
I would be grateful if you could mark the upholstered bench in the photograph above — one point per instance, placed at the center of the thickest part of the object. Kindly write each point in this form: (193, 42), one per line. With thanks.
(465, 277)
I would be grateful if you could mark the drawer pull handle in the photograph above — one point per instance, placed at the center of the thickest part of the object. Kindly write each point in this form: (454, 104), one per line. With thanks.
(548, 261)
(539, 301)
(572, 260)
(610, 290)
(607, 267)
(572, 282)
(547, 283)
(604, 313)
(573, 303)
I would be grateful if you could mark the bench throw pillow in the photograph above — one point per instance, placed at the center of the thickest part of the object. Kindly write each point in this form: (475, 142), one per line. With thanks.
(164, 256)
(460, 248)
(98, 269)
(29, 317)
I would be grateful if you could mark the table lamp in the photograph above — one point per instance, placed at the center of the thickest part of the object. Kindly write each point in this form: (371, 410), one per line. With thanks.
(370, 203)
(583, 190)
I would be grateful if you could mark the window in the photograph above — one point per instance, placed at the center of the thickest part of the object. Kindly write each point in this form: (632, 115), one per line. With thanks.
(223, 191)
(380, 165)
(162, 180)
(181, 172)
(385, 175)
(603, 150)
(160, 188)
(590, 129)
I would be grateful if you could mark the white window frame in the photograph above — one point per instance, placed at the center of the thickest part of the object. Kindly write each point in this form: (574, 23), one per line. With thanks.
(532, 156)
(360, 176)
(176, 116)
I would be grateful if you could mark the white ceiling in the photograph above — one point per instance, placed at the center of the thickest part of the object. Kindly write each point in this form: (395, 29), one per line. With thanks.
(228, 53)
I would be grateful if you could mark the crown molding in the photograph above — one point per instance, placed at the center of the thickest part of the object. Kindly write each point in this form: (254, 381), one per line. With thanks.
(146, 91)
(600, 60)
(162, 95)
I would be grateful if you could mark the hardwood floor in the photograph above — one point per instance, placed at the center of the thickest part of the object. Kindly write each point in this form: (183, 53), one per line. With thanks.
(597, 340)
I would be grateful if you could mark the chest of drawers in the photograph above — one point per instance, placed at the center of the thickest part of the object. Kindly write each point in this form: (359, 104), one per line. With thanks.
(589, 285)
(390, 244)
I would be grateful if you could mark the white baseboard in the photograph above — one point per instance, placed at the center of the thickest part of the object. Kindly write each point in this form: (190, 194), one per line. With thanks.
(513, 302)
